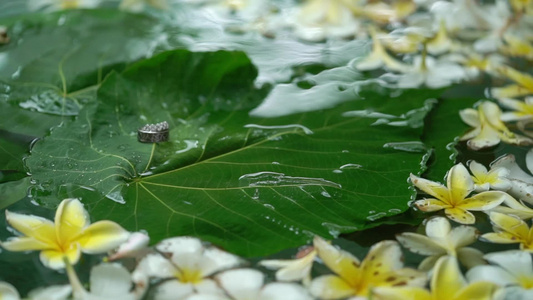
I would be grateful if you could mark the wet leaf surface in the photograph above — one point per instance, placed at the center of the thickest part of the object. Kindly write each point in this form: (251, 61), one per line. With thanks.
(251, 185)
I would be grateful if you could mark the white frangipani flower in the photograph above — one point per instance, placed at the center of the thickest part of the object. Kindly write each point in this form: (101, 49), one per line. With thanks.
(521, 182)
(433, 73)
(319, 19)
(187, 264)
(442, 240)
(484, 179)
(512, 269)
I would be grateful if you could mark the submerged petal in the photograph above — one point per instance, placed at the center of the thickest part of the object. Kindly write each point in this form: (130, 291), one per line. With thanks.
(102, 236)
(70, 220)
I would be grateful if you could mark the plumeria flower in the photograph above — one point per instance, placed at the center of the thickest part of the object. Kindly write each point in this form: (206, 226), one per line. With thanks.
(293, 269)
(248, 284)
(442, 240)
(381, 267)
(488, 130)
(70, 235)
(515, 46)
(186, 264)
(52, 5)
(319, 19)
(522, 87)
(432, 73)
(512, 269)
(453, 198)
(521, 182)
(509, 230)
(523, 110)
(484, 179)
(379, 58)
(447, 283)
(385, 13)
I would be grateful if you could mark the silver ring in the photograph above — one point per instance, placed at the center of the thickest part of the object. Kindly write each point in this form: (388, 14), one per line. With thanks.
(153, 133)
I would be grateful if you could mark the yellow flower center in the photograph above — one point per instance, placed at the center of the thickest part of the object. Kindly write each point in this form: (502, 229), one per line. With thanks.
(525, 282)
(189, 276)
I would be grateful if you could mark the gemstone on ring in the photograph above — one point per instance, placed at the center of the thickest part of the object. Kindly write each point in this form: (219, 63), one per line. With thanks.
(153, 133)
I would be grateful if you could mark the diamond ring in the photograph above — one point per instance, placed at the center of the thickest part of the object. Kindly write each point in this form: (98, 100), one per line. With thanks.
(153, 133)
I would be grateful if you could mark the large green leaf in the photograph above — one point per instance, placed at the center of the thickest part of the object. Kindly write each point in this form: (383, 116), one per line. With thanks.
(252, 185)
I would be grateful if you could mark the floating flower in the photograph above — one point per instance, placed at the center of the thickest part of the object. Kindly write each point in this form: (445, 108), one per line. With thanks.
(488, 130)
(484, 180)
(431, 72)
(379, 58)
(245, 284)
(187, 268)
(523, 110)
(447, 283)
(512, 269)
(453, 198)
(521, 182)
(293, 269)
(381, 267)
(319, 19)
(442, 240)
(523, 86)
(70, 235)
(514, 208)
(509, 230)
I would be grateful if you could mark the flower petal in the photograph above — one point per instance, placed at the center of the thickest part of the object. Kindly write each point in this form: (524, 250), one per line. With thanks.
(54, 259)
(26, 244)
(460, 183)
(293, 269)
(460, 215)
(486, 138)
(54, 292)
(428, 263)
(500, 238)
(8, 292)
(470, 257)
(102, 236)
(172, 290)
(217, 260)
(483, 201)
(279, 290)
(447, 278)
(70, 219)
(482, 290)
(516, 263)
(491, 273)
(434, 189)
(462, 236)
(470, 116)
(477, 169)
(155, 265)
(509, 91)
(401, 293)
(32, 226)
(341, 262)
(510, 224)
(330, 287)
(383, 257)
(111, 280)
(419, 244)
(438, 228)
(241, 283)
(429, 205)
